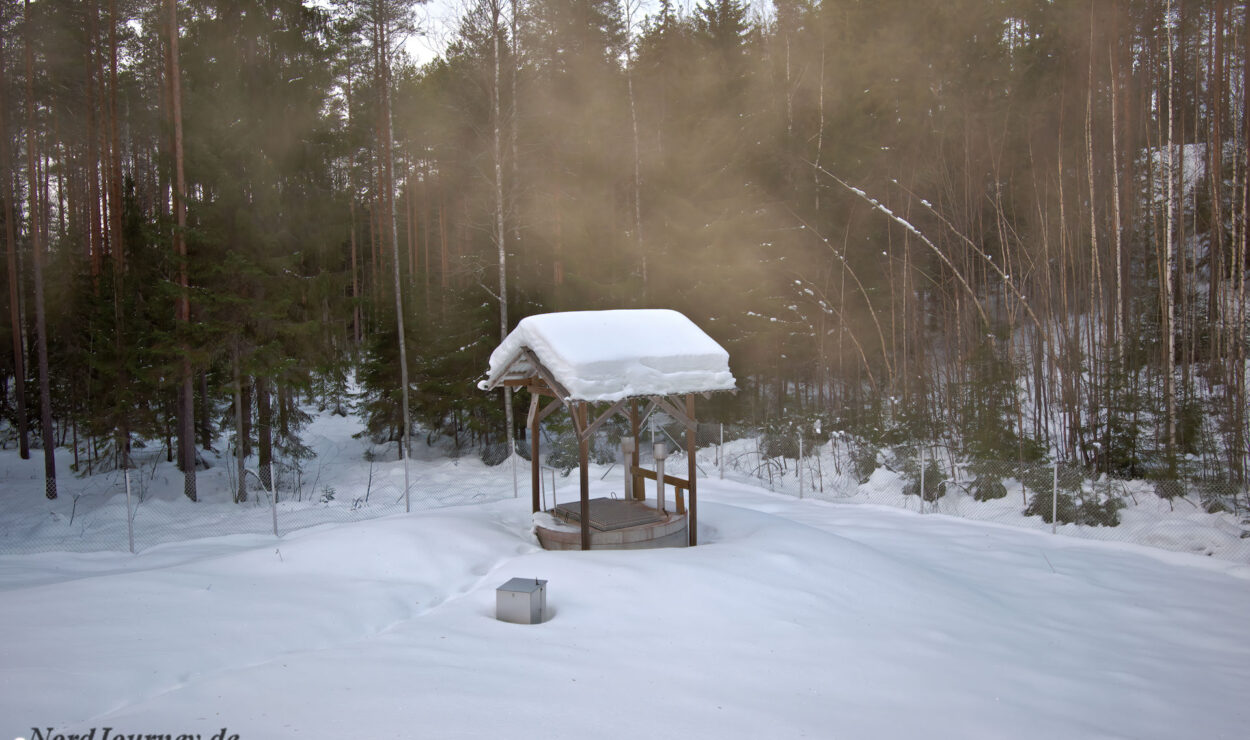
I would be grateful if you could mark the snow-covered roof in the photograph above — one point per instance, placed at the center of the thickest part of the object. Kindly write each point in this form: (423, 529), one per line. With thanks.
(610, 355)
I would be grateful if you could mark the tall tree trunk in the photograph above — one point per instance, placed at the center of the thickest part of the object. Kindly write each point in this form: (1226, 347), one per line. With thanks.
(264, 432)
(388, 150)
(410, 213)
(186, 393)
(1169, 309)
(1118, 309)
(351, 168)
(36, 241)
(500, 235)
(514, 121)
(123, 402)
(115, 150)
(1241, 250)
(95, 242)
(248, 395)
(630, 6)
(1096, 307)
(240, 433)
(15, 292)
(355, 276)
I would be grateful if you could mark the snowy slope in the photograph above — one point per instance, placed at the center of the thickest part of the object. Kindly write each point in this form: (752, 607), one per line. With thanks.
(794, 619)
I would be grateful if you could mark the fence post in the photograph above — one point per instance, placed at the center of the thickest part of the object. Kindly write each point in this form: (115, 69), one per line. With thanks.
(407, 506)
(921, 480)
(130, 522)
(273, 505)
(798, 465)
(1054, 499)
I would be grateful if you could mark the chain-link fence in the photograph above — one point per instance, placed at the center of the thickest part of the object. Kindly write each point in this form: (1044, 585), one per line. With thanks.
(142, 507)
(1197, 515)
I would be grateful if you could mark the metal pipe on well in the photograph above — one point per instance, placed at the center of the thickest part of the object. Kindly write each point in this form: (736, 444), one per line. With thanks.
(627, 456)
(661, 452)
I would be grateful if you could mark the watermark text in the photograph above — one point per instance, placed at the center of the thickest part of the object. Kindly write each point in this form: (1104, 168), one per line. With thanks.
(110, 733)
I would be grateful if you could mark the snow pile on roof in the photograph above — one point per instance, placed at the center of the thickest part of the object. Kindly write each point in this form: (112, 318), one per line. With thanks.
(610, 355)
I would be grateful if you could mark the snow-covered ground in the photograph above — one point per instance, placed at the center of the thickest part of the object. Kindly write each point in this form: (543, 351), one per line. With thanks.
(1180, 525)
(793, 618)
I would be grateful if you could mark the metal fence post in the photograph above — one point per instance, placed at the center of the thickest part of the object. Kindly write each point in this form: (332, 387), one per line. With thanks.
(921, 480)
(1054, 500)
(407, 506)
(798, 465)
(130, 522)
(273, 502)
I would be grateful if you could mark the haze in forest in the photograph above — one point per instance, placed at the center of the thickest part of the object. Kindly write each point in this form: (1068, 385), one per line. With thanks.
(1015, 229)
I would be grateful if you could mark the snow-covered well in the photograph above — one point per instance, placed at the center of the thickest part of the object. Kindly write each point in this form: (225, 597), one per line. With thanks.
(586, 357)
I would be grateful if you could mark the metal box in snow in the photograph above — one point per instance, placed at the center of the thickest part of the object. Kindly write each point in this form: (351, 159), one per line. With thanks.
(521, 601)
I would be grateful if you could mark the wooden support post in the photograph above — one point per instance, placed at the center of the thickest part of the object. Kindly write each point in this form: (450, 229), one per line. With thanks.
(627, 452)
(693, 524)
(535, 468)
(583, 462)
(637, 491)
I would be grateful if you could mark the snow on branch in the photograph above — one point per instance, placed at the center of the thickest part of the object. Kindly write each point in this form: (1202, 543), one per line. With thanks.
(976, 301)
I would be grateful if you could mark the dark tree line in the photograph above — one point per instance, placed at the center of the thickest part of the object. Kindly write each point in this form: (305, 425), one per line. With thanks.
(1013, 224)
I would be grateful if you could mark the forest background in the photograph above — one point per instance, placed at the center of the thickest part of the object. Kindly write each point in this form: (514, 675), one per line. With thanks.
(1016, 228)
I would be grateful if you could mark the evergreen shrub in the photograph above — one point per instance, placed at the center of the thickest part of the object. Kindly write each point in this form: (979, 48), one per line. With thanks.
(1087, 512)
(1170, 489)
(934, 481)
(987, 488)
(863, 459)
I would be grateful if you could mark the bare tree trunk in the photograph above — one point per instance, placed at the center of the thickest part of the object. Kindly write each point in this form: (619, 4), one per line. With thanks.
(630, 7)
(186, 393)
(95, 239)
(351, 167)
(501, 238)
(122, 430)
(1169, 309)
(36, 237)
(514, 122)
(820, 123)
(1241, 249)
(410, 215)
(15, 293)
(115, 151)
(264, 432)
(389, 194)
(240, 434)
(1118, 309)
(1096, 307)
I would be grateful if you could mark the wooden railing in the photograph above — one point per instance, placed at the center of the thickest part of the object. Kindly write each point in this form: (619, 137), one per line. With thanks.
(680, 486)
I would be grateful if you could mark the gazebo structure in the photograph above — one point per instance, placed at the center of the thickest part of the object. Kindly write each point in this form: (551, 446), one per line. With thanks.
(598, 364)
